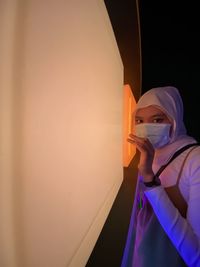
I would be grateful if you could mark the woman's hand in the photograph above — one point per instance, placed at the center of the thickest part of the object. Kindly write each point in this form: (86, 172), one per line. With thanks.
(146, 156)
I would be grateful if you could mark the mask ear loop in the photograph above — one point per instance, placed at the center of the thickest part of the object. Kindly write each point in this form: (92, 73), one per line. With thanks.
(172, 122)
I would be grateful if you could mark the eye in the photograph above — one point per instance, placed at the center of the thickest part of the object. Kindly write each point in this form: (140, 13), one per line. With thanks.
(158, 120)
(138, 121)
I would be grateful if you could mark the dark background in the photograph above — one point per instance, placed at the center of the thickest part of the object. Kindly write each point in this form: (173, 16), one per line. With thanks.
(169, 55)
(170, 52)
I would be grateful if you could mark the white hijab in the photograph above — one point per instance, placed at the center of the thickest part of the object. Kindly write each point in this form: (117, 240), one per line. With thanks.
(168, 100)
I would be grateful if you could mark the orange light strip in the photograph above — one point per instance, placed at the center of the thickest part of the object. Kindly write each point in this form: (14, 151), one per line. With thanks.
(129, 150)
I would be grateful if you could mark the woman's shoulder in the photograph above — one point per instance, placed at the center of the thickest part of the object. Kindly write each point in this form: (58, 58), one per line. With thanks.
(192, 162)
(191, 153)
(194, 151)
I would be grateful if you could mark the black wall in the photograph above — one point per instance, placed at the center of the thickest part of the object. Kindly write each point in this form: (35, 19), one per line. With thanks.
(170, 52)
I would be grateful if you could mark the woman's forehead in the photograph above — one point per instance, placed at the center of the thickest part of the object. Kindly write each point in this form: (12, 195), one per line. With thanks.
(149, 111)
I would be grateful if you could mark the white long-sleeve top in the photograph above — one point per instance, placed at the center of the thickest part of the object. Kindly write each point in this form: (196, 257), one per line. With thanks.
(183, 232)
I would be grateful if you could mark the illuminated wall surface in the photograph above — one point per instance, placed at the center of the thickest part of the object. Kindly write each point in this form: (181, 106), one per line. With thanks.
(61, 98)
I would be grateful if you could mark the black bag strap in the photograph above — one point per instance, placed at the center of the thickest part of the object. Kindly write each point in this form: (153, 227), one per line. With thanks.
(176, 154)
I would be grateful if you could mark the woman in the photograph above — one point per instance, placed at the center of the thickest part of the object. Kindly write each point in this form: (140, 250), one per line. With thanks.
(165, 223)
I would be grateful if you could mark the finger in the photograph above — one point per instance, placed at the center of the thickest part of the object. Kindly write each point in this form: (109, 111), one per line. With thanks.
(130, 141)
(139, 144)
(138, 139)
(133, 135)
(143, 142)
(144, 146)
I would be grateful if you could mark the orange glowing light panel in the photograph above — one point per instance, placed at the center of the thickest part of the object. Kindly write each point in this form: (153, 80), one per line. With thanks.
(129, 150)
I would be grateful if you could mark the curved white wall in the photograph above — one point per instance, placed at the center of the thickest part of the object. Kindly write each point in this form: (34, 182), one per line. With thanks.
(61, 93)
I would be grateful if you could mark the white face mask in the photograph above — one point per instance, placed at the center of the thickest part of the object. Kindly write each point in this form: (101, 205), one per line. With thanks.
(157, 133)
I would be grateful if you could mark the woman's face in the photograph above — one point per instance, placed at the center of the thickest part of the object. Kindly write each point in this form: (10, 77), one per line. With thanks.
(151, 114)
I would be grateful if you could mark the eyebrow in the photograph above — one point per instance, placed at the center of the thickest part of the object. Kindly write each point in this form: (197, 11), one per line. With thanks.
(158, 115)
(154, 116)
